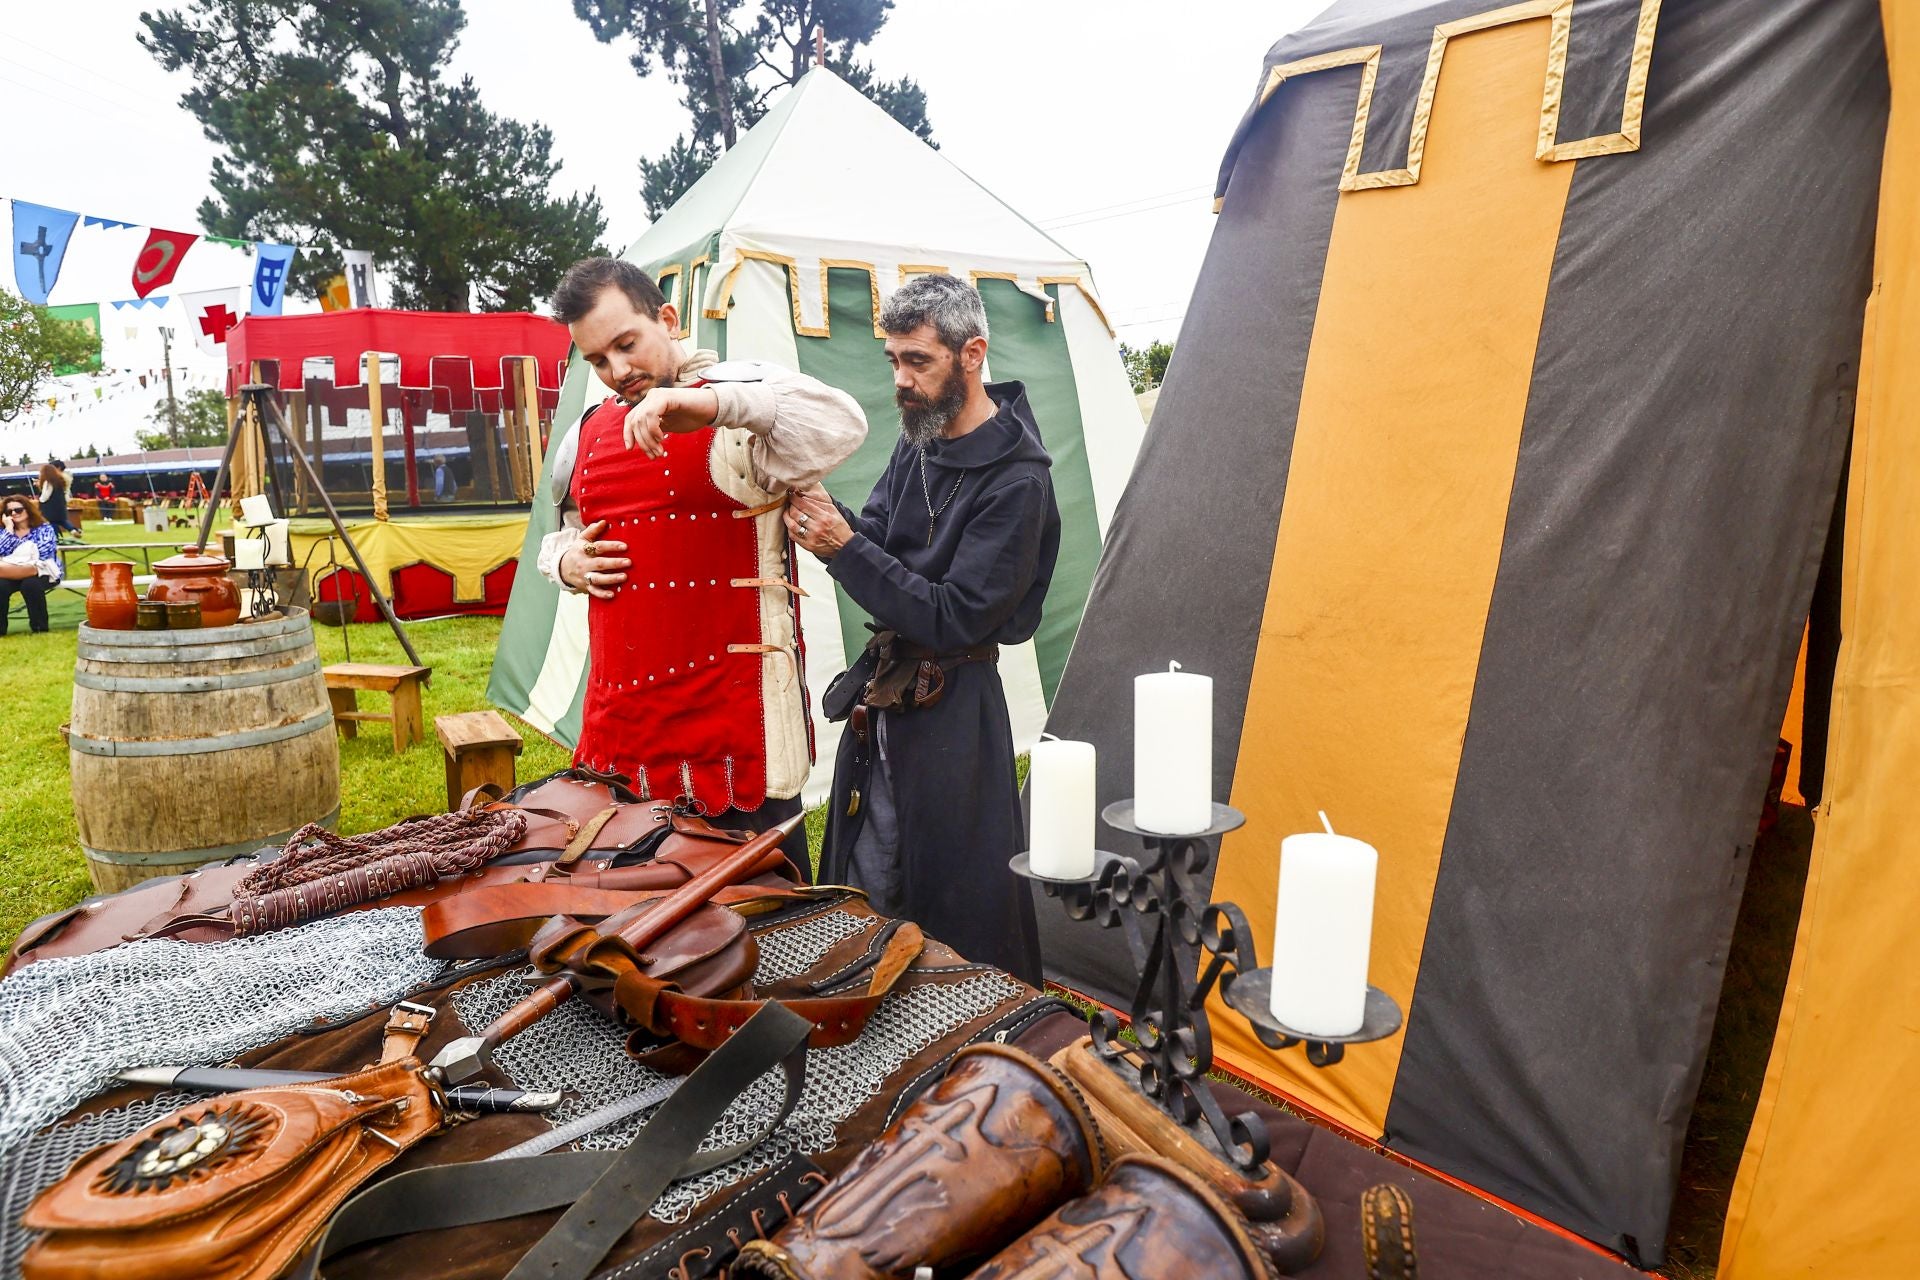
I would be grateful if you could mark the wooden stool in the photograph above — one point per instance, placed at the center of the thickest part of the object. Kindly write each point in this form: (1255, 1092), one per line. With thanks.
(401, 683)
(480, 748)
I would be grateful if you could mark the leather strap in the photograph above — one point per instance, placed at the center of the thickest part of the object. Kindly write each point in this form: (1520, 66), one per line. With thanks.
(583, 838)
(781, 583)
(700, 1022)
(500, 919)
(609, 1190)
(761, 510)
(406, 1025)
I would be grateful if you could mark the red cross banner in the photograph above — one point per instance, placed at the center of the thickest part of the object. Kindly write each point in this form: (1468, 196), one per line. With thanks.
(159, 258)
(211, 315)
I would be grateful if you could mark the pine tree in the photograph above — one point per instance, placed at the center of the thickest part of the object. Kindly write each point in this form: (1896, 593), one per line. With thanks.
(730, 56)
(340, 129)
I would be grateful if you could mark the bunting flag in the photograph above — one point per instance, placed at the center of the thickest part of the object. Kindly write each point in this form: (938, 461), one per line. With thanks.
(157, 300)
(211, 315)
(336, 297)
(159, 259)
(363, 283)
(87, 316)
(271, 264)
(40, 236)
(109, 223)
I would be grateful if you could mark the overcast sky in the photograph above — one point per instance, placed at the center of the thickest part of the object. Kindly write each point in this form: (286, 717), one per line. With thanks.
(1101, 120)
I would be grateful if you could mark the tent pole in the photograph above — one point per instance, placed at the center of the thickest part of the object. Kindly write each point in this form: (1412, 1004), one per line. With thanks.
(379, 442)
(220, 477)
(413, 464)
(257, 398)
(530, 397)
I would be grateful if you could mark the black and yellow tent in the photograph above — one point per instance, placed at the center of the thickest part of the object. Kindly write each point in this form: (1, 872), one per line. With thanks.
(1491, 482)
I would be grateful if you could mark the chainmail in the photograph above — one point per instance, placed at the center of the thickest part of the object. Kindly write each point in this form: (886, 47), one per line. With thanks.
(790, 952)
(577, 1048)
(38, 1160)
(68, 1024)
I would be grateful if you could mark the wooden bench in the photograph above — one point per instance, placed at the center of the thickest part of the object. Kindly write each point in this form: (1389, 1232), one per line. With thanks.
(401, 684)
(480, 747)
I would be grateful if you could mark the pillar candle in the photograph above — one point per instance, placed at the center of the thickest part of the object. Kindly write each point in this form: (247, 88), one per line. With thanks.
(1323, 930)
(1060, 790)
(1173, 751)
(255, 510)
(277, 552)
(249, 553)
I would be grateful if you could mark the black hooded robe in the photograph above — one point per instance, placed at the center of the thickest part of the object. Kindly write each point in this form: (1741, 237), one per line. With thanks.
(981, 579)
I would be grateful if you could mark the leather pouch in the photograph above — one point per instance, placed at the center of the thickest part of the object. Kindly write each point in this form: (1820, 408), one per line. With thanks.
(845, 690)
(231, 1187)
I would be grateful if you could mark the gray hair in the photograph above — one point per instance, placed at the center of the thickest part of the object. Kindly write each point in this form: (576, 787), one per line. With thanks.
(952, 306)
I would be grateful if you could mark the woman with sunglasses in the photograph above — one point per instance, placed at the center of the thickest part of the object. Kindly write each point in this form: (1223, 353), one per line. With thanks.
(29, 559)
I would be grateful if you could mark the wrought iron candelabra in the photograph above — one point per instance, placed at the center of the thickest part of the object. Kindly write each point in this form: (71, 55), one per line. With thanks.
(1158, 903)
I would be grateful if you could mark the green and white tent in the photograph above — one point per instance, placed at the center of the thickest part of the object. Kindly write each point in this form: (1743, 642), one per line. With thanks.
(787, 248)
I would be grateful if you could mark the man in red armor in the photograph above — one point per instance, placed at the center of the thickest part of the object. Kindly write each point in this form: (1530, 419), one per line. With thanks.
(670, 496)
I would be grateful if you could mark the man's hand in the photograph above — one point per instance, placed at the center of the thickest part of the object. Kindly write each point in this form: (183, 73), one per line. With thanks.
(815, 522)
(594, 566)
(665, 409)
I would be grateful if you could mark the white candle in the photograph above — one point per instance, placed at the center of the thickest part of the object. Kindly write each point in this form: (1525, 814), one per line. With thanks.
(1060, 788)
(1173, 751)
(249, 553)
(277, 542)
(1323, 929)
(255, 510)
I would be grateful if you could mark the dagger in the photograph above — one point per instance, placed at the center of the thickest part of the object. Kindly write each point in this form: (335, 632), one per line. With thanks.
(476, 1099)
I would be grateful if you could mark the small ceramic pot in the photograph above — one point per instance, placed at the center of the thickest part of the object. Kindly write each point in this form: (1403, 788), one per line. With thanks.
(111, 602)
(152, 616)
(182, 614)
(201, 580)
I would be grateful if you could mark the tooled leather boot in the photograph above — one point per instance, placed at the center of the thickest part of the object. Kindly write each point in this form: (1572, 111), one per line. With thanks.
(1149, 1220)
(997, 1145)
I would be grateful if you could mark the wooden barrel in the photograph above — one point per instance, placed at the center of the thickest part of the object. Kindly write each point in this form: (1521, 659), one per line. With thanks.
(192, 746)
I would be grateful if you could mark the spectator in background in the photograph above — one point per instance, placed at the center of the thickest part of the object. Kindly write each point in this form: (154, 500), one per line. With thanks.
(53, 499)
(103, 490)
(29, 559)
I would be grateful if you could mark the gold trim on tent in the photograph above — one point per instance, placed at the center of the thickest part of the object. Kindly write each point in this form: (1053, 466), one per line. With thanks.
(1545, 148)
(825, 328)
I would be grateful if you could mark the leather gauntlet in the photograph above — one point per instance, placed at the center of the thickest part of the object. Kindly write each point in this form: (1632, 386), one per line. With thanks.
(229, 1188)
(993, 1148)
(1149, 1220)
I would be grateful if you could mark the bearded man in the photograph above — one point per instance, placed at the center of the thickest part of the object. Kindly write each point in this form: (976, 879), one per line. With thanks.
(952, 556)
(670, 496)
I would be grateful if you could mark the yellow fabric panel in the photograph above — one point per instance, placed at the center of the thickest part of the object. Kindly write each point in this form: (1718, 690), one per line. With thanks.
(1793, 727)
(468, 547)
(1396, 505)
(1829, 1180)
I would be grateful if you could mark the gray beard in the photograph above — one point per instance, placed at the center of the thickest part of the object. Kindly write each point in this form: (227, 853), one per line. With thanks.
(923, 424)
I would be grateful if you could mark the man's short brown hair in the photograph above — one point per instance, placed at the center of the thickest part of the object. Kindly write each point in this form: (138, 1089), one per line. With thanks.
(588, 278)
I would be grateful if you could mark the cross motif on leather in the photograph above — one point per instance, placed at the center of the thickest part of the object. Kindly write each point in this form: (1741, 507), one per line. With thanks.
(217, 321)
(40, 250)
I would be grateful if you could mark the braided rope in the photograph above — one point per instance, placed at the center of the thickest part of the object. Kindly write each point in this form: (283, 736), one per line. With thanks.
(319, 872)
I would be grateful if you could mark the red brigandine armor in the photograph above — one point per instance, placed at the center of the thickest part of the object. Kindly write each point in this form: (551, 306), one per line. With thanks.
(674, 692)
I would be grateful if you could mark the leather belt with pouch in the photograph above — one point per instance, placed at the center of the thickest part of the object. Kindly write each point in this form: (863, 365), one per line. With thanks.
(895, 674)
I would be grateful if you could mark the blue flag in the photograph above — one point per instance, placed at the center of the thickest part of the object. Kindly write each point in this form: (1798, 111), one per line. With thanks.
(40, 237)
(270, 266)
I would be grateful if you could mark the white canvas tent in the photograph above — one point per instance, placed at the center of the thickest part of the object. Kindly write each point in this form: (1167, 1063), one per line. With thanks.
(786, 250)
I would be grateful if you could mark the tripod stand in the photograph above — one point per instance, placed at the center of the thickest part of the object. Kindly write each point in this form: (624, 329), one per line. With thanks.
(258, 409)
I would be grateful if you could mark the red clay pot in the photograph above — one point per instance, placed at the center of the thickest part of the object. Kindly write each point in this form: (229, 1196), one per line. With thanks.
(202, 579)
(111, 602)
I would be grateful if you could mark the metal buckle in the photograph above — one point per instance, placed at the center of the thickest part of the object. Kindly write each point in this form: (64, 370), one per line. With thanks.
(425, 1011)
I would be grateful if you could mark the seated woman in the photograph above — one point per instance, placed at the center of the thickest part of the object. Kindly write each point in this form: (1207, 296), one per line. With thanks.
(29, 559)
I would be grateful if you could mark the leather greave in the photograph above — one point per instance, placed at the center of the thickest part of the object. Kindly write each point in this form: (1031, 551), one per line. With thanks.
(993, 1148)
(1149, 1220)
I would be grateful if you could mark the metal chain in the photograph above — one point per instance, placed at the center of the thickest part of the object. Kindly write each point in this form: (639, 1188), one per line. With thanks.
(933, 512)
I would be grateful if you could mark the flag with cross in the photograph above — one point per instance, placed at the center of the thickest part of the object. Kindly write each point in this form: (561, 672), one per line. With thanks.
(40, 236)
